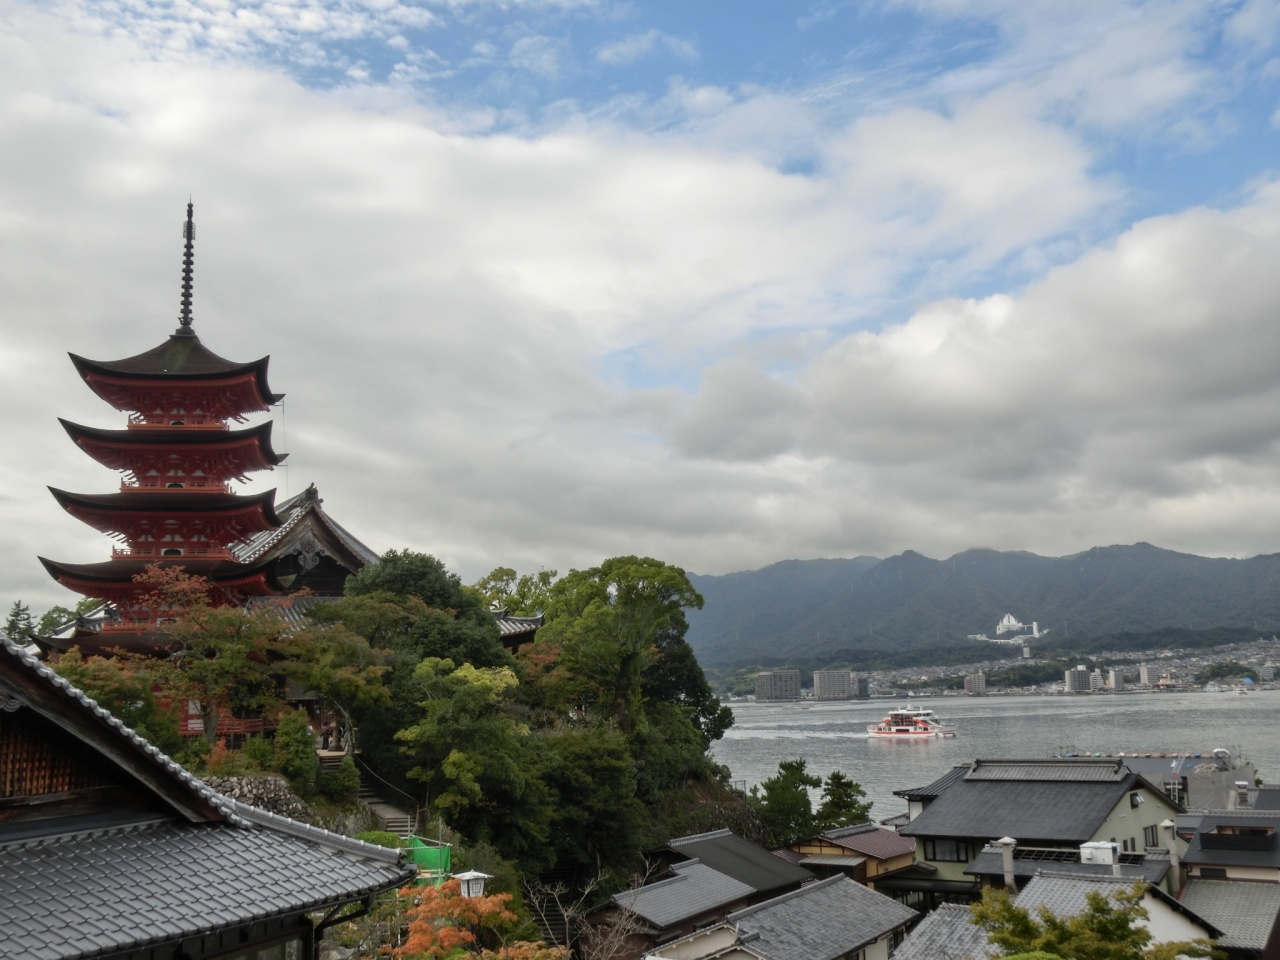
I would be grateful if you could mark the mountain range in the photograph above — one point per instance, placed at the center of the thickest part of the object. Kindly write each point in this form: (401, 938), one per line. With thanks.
(813, 613)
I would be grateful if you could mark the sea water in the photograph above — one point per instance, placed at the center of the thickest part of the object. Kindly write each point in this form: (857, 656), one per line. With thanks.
(833, 735)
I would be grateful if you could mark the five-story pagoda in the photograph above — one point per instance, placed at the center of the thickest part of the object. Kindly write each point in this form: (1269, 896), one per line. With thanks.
(178, 455)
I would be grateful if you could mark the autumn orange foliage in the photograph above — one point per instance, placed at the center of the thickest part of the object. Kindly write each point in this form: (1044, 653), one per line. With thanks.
(443, 923)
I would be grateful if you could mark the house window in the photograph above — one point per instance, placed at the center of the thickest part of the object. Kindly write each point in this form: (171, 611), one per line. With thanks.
(1151, 836)
(895, 940)
(946, 851)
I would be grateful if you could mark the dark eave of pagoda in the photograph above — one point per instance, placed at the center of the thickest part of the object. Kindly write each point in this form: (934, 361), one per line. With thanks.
(100, 443)
(224, 573)
(179, 501)
(180, 358)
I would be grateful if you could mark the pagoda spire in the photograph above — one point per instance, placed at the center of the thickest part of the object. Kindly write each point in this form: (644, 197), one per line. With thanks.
(188, 268)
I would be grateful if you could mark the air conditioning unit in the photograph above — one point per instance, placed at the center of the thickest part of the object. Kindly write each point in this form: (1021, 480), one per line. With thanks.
(1098, 851)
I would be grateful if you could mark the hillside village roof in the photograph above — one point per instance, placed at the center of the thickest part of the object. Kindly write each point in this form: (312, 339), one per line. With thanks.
(1244, 910)
(724, 851)
(1059, 801)
(871, 840)
(1236, 850)
(946, 934)
(184, 862)
(820, 921)
(693, 891)
(1150, 866)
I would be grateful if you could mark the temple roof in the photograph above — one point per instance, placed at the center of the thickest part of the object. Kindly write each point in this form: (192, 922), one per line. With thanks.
(258, 437)
(181, 357)
(297, 512)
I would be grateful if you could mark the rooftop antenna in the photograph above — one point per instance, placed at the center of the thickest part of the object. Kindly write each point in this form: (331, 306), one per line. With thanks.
(188, 266)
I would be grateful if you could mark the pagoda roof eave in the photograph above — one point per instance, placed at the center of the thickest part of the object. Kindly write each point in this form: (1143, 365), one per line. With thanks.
(181, 359)
(221, 572)
(259, 435)
(178, 501)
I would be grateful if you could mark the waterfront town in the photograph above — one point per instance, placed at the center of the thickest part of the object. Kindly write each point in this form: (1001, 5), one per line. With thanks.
(758, 481)
(1230, 668)
(551, 794)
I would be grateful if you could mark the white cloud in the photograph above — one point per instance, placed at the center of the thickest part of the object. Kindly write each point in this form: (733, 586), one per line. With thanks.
(447, 311)
(638, 46)
(537, 54)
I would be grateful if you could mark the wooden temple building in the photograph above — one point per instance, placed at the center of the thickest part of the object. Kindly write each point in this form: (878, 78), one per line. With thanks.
(180, 451)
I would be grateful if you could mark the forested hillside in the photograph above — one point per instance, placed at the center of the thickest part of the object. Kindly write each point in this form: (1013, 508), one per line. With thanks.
(815, 612)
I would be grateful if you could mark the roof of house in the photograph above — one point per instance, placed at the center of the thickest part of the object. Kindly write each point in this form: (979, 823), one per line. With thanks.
(1066, 895)
(844, 860)
(193, 861)
(1150, 867)
(1056, 801)
(694, 890)
(741, 859)
(1244, 910)
(1266, 797)
(820, 921)
(947, 934)
(871, 840)
(1259, 850)
(935, 789)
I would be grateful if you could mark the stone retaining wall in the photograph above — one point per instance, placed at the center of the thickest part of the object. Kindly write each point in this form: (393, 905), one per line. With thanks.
(264, 791)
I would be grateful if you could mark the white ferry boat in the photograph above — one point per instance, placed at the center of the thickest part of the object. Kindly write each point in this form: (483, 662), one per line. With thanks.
(910, 723)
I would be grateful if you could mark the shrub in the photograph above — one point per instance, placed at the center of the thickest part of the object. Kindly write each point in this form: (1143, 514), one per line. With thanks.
(295, 749)
(341, 785)
(258, 754)
(381, 837)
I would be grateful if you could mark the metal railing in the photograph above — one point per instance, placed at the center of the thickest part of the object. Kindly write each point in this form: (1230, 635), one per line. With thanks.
(411, 802)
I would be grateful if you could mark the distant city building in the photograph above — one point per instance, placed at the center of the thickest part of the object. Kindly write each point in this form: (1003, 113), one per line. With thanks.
(1026, 653)
(1097, 681)
(1144, 674)
(1009, 624)
(1267, 672)
(1079, 680)
(1113, 679)
(778, 685)
(975, 684)
(832, 684)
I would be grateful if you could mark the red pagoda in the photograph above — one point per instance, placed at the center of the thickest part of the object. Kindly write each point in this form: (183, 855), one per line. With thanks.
(178, 456)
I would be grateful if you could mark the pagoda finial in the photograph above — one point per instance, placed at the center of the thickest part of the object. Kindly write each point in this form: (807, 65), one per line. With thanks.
(188, 267)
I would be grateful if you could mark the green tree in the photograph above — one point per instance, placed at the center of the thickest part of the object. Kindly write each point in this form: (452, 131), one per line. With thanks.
(295, 748)
(18, 625)
(783, 803)
(607, 620)
(674, 676)
(521, 595)
(843, 803)
(124, 685)
(56, 616)
(1109, 929)
(482, 770)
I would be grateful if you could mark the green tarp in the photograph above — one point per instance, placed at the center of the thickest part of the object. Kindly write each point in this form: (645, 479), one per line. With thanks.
(432, 858)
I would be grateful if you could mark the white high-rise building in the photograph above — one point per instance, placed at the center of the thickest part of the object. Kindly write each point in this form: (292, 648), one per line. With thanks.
(832, 684)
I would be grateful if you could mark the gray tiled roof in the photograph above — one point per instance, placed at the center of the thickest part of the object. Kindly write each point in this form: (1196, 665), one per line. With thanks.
(1073, 771)
(873, 840)
(696, 889)
(1066, 895)
(1265, 855)
(1244, 910)
(820, 921)
(1267, 797)
(291, 513)
(990, 863)
(1052, 811)
(938, 786)
(947, 934)
(741, 859)
(96, 892)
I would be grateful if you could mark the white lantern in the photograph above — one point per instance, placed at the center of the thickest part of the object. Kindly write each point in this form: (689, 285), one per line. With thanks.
(472, 882)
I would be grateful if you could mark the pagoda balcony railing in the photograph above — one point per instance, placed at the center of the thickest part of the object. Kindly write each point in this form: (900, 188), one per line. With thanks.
(165, 485)
(169, 421)
(158, 553)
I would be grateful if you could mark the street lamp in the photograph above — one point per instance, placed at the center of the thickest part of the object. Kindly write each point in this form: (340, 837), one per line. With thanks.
(472, 882)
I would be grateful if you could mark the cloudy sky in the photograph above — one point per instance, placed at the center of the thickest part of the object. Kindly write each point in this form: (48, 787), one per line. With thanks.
(724, 283)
